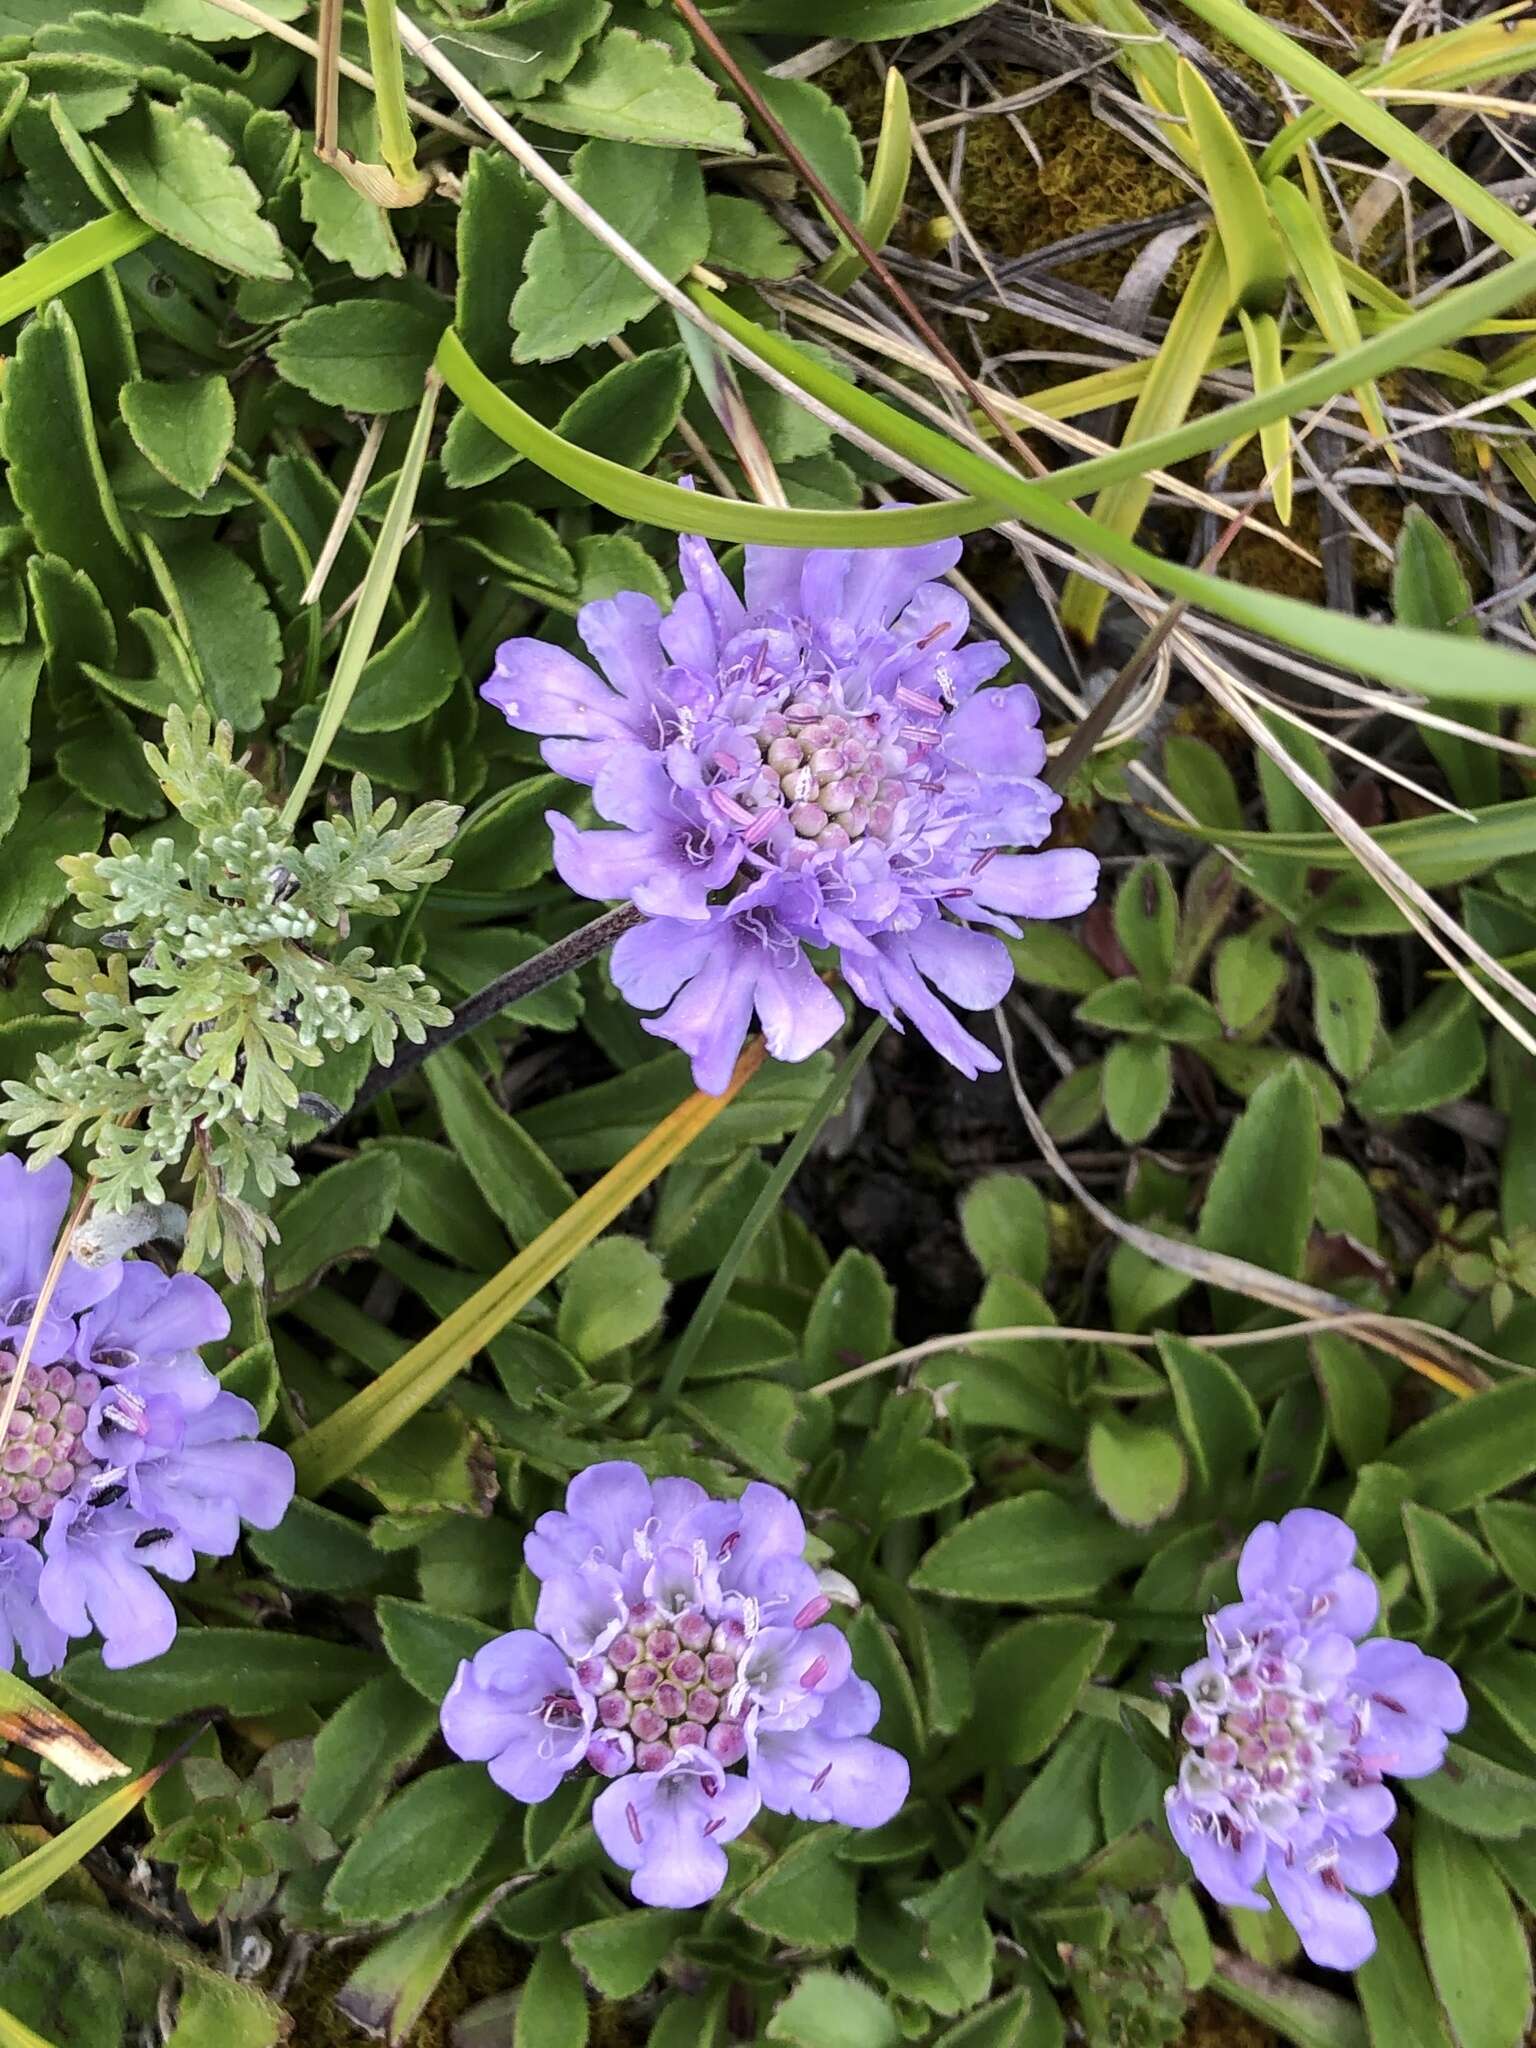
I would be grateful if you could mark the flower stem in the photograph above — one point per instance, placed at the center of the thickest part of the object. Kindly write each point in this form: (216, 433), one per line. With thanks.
(565, 955)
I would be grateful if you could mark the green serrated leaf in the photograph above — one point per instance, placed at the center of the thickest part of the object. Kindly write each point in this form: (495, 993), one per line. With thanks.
(575, 292)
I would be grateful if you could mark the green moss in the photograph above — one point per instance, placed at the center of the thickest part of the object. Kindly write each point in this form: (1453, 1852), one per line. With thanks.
(486, 1964)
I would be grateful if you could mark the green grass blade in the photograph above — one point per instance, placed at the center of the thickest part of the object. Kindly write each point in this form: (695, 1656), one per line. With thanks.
(14, 2035)
(1257, 264)
(633, 496)
(1368, 119)
(73, 256)
(1324, 287)
(31, 1877)
(1392, 654)
(1445, 321)
(1261, 337)
(1435, 851)
(363, 626)
(335, 1447)
(887, 186)
(1465, 56)
(788, 1164)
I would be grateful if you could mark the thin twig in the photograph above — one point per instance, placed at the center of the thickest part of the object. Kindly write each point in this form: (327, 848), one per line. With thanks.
(560, 959)
(352, 497)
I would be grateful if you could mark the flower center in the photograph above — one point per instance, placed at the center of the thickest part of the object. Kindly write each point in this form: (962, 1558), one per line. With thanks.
(830, 775)
(670, 1684)
(44, 1452)
(1262, 1748)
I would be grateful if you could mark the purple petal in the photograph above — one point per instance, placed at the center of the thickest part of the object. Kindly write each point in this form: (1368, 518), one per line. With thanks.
(621, 633)
(792, 1669)
(153, 1315)
(822, 580)
(613, 1502)
(879, 581)
(684, 1513)
(1307, 1560)
(651, 962)
(496, 1712)
(503, 1681)
(1358, 1809)
(33, 1202)
(1228, 1870)
(1367, 1863)
(1039, 885)
(1416, 1701)
(1011, 813)
(542, 689)
(1335, 1929)
(772, 579)
(889, 981)
(668, 1828)
(997, 732)
(611, 866)
(24, 1627)
(797, 1010)
(854, 1781)
(771, 1526)
(709, 1018)
(91, 1578)
(702, 573)
(689, 637)
(578, 1609)
(1294, 1555)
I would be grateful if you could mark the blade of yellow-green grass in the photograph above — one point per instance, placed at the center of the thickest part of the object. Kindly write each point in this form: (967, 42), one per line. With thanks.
(1261, 336)
(333, 1448)
(35, 1723)
(649, 498)
(1145, 55)
(1461, 57)
(1368, 119)
(31, 1877)
(73, 256)
(14, 2035)
(1125, 382)
(1172, 382)
(363, 626)
(1323, 286)
(887, 186)
(1257, 265)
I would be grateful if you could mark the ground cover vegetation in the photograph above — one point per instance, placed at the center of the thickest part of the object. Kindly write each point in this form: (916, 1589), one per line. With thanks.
(767, 1019)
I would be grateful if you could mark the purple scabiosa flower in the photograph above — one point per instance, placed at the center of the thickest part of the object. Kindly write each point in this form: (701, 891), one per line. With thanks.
(815, 766)
(1291, 1726)
(124, 1456)
(679, 1651)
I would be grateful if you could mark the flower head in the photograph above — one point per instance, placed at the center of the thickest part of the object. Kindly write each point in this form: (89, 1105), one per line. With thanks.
(815, 766)
(124, 1456)
(679, 1652)
(1292, 1725)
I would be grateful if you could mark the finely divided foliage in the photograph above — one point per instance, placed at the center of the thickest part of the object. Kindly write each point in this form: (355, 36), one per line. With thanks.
(779, 1291)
